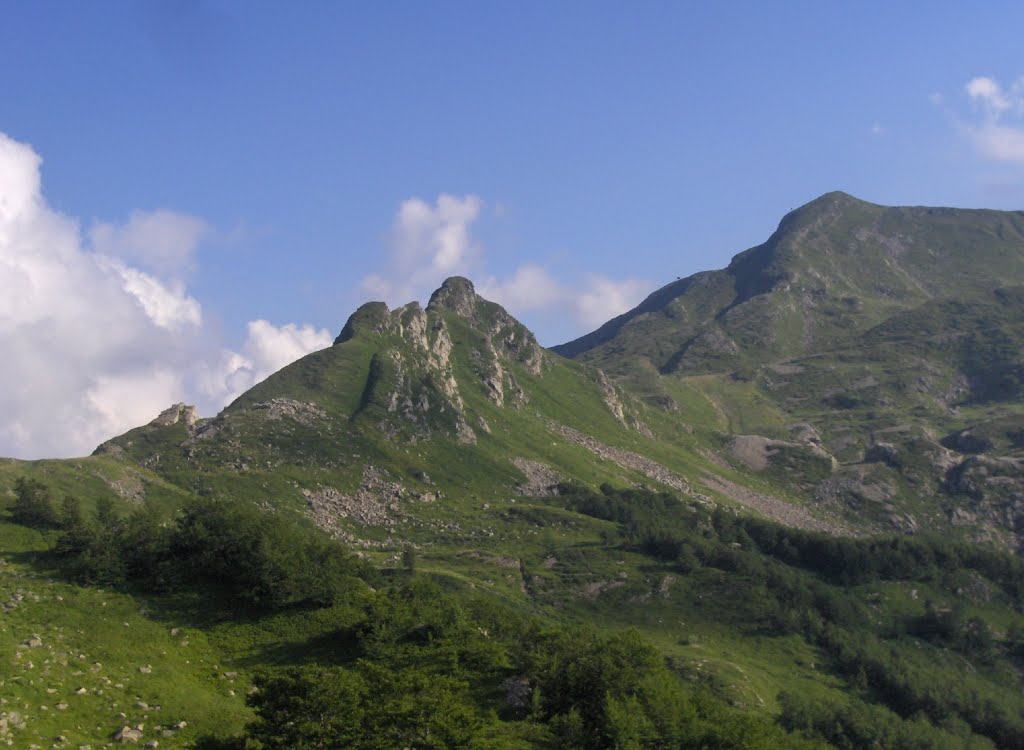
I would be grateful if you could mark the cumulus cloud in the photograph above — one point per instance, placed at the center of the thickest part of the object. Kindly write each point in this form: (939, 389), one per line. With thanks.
(1000, 142)
(428, 243)
(99, 339)
(996, 125)
(989, 94)
(530, 288)
(602, 299)
(165, 303)
(164, 242)
(588, 303)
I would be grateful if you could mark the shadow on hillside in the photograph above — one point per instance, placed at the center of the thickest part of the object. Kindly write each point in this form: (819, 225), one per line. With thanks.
(39, 562)
(327, 649)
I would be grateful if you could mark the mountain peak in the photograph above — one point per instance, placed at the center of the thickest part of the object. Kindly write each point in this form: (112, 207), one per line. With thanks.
(371, 316)
(456, 294)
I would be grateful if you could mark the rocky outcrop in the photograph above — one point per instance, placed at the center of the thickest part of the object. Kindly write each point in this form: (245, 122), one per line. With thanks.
(611, 397)
(977, 475)
(377, 502)
(131, 486)
(305, 413)
(541, 479)
(509, 338)
(414, 376)
(176, 413)
(456, 294)
(884, 453)
(757, 452)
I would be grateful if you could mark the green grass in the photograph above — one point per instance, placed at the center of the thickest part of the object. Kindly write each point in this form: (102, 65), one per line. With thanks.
(86, 672)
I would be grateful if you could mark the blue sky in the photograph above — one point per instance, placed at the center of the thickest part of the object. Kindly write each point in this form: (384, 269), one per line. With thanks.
(220, 165)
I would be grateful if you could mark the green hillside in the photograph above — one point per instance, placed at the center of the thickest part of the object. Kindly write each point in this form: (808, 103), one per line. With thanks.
(876, 334)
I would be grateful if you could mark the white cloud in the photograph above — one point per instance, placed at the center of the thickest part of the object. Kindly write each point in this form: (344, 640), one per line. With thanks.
(529, 288)
(427, 244)
(589, 304)
(1000, 142)
(987, 92)
(602, 299)
(162, 241)
(131, 398)
(94, 345)
(166, 305)
(996, 127)
(272, 347)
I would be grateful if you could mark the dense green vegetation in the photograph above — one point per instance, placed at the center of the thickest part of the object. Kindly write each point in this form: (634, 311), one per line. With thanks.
(253, 558)
(414, 663)
(799, 582)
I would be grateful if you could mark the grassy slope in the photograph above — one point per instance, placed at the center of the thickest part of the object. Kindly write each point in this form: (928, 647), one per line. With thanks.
(541, 558)
(87, 672)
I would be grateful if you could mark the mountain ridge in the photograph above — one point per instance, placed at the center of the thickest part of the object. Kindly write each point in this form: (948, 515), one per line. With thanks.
(761, 269)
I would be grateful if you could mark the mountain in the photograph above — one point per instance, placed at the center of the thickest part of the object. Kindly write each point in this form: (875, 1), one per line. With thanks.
(833, 269)
(416, 414)
(889, 337)
(776, 475)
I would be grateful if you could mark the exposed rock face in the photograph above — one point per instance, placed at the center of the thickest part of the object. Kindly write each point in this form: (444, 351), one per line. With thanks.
(611, 398)
(756, 451)
(131, 487)
(375, 503)
(414, 378)
(541, 479)
(175, 414)
(992, 494)
(280, 408)
(127, 734)
(508, 338)
(616, 405)
(178, 413)
(518, 692)
(885, 453)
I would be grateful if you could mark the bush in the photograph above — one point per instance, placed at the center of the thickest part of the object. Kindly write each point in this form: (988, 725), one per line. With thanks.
(32, 504)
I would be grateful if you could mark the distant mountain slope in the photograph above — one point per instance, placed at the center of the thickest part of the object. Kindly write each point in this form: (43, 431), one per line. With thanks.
(870, 331)
(834, 268)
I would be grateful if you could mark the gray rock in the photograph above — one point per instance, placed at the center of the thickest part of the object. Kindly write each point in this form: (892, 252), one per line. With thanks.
(126, 734)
